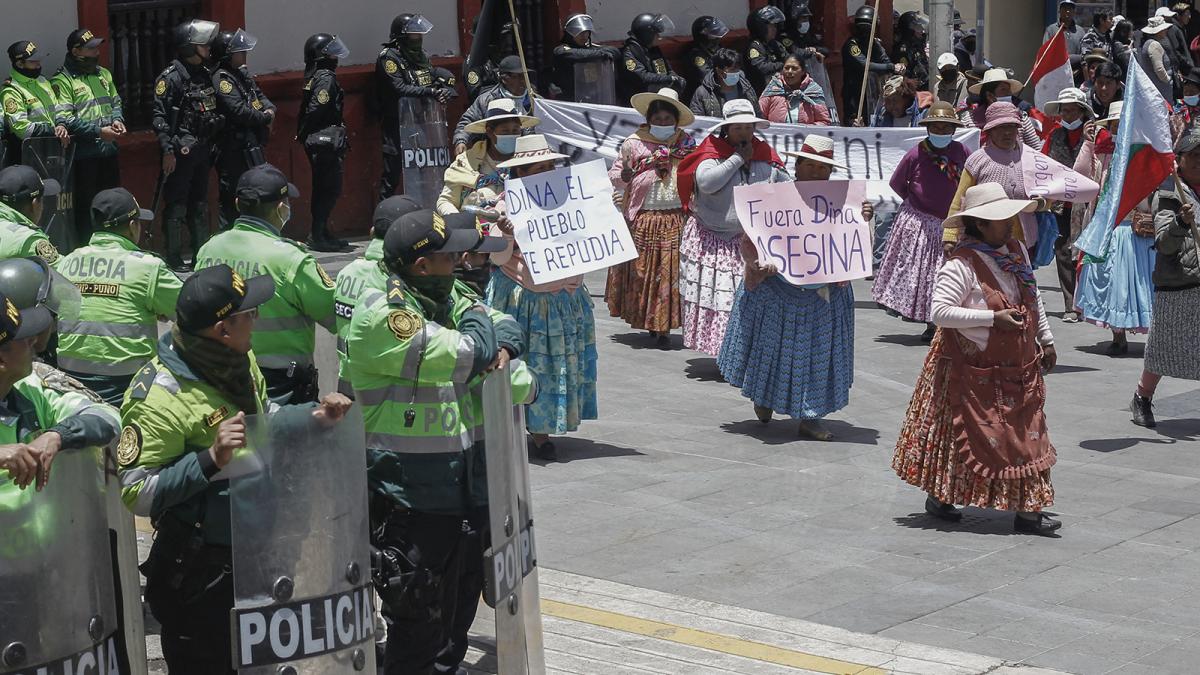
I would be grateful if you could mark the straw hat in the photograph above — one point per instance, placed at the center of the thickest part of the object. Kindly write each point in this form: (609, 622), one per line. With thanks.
(988, 201)
(641, 103)
(1114, 111)
(816, 148)
(531, 149)
(1069, 95)
(501, 109)
(740, 111)
(1156, 25)
(941, 111)
(997, 75)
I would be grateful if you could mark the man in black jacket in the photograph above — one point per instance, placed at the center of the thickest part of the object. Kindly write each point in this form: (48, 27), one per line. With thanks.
(321, 130)
(576, 49)
(248, 117)
(855, 67)
(643, 66)
(765, 54)
(724, 82)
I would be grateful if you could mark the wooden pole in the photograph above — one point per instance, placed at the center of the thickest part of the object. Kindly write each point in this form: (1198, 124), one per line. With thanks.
(862, 92)
(521, 53)
(1040, 58)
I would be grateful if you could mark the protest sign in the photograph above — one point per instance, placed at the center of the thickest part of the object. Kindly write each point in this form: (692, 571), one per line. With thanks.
(812, 231)
(565, 222)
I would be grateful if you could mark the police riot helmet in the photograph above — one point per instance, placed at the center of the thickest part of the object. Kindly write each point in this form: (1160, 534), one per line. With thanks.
(190, 34)
(709, 28)
(577, 24)
(31, 282)
(762, 17)
(864, 15)
(324, 46)
(410, 24)
(912, 25)
(798, 9)
(229, 43)
(646, 26)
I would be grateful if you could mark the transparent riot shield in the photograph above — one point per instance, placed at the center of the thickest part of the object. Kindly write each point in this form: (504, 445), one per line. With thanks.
(424, 148)
(57, 609)
(50, 159)
(510, 564)
(303, 599)
(816, 70)
(595, 82)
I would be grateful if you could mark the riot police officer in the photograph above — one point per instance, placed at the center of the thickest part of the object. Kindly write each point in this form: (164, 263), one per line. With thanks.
(707, 32)
(765, 54)
(31, 108)
(22, 198)
(247, 112)
(855, 67)
(478, 78)
(321, 130)
(403, 71)
(643, 66)
(576, 54)
(286, 335)
(799, 34)
(911, 50)
(124, 289)
(186, 121)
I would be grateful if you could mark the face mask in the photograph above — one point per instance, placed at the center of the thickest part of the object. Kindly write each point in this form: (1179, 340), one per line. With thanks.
(506, 144)
(733, 78)
(1071, 126)
(940, 140)
(661, 132)
(1003, 99)
(1192, 100)
(31, 73)
(803, 28)
(950, 74)
(89, 63)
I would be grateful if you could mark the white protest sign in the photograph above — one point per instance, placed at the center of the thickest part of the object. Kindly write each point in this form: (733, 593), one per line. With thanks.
(812, 231)
(565, 222)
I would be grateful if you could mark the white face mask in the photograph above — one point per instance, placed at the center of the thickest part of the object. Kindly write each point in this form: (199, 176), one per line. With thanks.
(285, 214)
(1071, 126)
(1192, 100)
(733, 78)
(661, 132)
(803, 28)
(1004, 99)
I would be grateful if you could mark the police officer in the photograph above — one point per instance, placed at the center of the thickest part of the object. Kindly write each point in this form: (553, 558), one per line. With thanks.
(22, 199)
(186, 121)
(644, 68)
(97, 121)
(366, 273)
(765, 54)
(31, 108)
(799, 34)
(855, 66)
(481, 77)
(424, 430)
(707, 32)
(403, 70)
(321, 130)
(576, 47)
(286, 334)
(911, 49)
(247, 112)
(124, 292)
(512, 86)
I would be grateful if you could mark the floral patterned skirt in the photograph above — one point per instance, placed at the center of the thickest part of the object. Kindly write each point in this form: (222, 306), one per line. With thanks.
(904, 280)
(925, 454)
(645, 292)
(711, 270)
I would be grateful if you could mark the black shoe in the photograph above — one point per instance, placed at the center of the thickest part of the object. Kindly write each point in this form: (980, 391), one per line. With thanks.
(947, 512)
(1143, 411)
(179, 266)
(1117, 349)
(546, 452)
(1043, 525)
(342, 244)
(322, 246)
(763, 413)
(663, 341)
(654, 334)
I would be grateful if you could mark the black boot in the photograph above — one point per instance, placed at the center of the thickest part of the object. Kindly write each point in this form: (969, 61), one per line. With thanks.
(174, 217)
(1143, 411)
(1040, 524)
(198, 226)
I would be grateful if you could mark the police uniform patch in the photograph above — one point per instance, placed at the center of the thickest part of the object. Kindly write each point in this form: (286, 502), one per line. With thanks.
(256, 104)
(46, 250)
(700, 62)
(160, 88)
(754, 53)
(226, 87)
(855, 51)
(404, 323)
(325, 279)
(630, 64)
(129, 448)
(323, 96)
(472, 78)
(390, 67)
(215, 417)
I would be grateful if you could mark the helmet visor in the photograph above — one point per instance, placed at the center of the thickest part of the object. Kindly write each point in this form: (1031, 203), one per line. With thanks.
(336, 49)
(242, 42)
(418, 25)
(663, 25)
(203, 32)
(771, 14)
(62, 297)
(578, 24)
(716, 29)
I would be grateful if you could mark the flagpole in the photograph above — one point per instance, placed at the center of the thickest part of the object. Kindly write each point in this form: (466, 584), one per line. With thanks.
(1043, 56)
(512, 13)
(862, 92)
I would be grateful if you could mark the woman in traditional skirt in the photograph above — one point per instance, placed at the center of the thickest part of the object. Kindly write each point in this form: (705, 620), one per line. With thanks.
(975, 431)
(1171, 350)
(710, 262)
(645, 291)
(791, 348)
(557, 318)
(1114, 289)
(926, 180)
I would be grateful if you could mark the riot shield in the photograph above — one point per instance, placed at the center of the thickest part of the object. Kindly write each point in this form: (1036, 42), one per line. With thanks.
(57, 610)
(510, 564)
(816, 70)
(595, 82)
(303, 599)
(424, 148)
(50, 159)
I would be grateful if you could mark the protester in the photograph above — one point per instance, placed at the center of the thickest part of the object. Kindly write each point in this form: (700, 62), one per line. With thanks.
(974, 435)
(997, 86)
(1157, 56)
(710, 261)
(952, 84)
(925, 180)
(1071, 31)
(1171, 349)
(964, 51)
(556, 317)
(1108, 85)
(1062, 145)
(645, 292)
(723, 83)
(1091, 62)
(793, 96)
(1097, 37)
(1187, 109)
(474, 178)
(1177, 40)
(902, 104)
(1122, 44)
(791, 348)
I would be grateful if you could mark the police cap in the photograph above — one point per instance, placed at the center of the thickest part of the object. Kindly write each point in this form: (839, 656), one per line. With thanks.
(390, 210)
(20, 182)
(467, 221)
(116, 207)
(82, 37)
(214, 293)
(16, 323)
(265, 184)
(423, 232)
(22, 50)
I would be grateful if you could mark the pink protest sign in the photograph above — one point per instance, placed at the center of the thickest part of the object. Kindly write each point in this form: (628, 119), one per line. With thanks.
(1047, 179)
(812, 231)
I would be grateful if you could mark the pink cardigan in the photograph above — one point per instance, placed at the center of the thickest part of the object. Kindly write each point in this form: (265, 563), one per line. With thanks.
(775, 109)
(633, 150)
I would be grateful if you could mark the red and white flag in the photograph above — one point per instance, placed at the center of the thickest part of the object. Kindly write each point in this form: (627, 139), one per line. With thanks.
(1051, 70)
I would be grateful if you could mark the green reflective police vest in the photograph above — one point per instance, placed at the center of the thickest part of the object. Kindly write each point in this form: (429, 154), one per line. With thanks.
(285, 332)
(20, 238)
(31, 106)
(364, 274)
(94, 102)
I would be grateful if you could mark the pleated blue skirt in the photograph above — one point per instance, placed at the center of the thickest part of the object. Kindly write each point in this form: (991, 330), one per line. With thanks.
(1118, 293)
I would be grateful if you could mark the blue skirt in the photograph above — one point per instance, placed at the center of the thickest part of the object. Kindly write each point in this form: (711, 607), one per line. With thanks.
(790, 349)
(1118, 293)
(560, 350)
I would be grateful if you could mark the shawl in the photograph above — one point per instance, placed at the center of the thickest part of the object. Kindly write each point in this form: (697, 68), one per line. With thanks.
(719, 149)
(808, 91)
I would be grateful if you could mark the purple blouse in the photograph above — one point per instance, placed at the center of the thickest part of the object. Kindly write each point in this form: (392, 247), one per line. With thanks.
(925, 187)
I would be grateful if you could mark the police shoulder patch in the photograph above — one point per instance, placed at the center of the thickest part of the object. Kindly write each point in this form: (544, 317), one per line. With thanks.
(129, 447)
(701, 62)
(10, 106)
(754, 53)
(630, 64)
(160, 88)
(226, 86)
(140, 387)
(404, 323)
(472, 78)
(390, 67)
(46, 250)
(323, 96)
(855, 51)
(395, 292)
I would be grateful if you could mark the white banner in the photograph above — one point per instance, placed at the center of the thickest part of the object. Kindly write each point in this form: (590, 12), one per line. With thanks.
(565, 222)
(588, 131)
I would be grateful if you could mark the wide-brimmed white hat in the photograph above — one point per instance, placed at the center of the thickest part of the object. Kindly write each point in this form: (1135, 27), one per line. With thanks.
(816, 148)
(501, 109)
(1069, 95)
(1114, 111)
(997, 75)
(740, 111)
(641, 103)
(1156, 25)
(988, 201)
(531, 149)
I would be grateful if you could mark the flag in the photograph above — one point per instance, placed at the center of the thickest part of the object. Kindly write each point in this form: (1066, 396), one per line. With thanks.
(1051, 70)
(1141, 161)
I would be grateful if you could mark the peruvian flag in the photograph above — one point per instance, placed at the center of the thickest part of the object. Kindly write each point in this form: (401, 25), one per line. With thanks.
(1051, 70)
(1141, 161)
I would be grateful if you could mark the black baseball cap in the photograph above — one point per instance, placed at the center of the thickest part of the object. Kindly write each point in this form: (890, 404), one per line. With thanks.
(214, 293)
(467, 221)
(20, 182)
(22, 323)
(390, 210)
(23, 49)
(82, 37)
(116, 207)
(511, 64)
(422, 232)
(265, 183)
